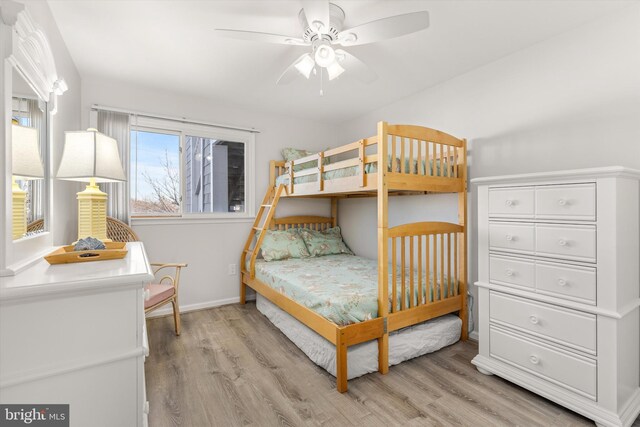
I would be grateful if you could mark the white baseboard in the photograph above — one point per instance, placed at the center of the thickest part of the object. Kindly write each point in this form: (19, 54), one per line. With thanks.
(167, 310)
(473, 335)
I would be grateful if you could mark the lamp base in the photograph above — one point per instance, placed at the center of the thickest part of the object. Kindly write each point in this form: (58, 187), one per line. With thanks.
(19, 210)
(92, 212)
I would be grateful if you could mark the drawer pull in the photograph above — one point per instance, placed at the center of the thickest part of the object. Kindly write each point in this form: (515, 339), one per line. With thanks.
(509, 272)
(562, 242)
(534, 319)
(562, 202)
(509, 237)
(534, 359)
(510, 202)
(562, 282)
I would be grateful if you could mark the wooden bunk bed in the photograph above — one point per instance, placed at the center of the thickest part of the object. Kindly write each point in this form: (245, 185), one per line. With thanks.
(399, 160)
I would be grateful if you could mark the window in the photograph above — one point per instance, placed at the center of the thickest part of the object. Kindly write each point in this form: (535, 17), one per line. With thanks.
(155, 173)
(190, 171)
(214, 175)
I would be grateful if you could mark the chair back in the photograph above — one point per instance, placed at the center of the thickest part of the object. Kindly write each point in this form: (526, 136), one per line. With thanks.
(35, 226)
(118, 231)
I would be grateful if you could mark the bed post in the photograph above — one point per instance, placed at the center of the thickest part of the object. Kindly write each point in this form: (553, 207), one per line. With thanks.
(272, 173)
(341, 361)
(334, 211)
(383, 248)
(462, 219)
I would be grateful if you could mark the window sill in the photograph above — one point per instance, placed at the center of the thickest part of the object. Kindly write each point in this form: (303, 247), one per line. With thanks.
(190, 220)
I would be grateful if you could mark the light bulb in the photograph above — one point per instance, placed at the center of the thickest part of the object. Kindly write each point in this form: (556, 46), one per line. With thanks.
(305, 65)
(325, 55)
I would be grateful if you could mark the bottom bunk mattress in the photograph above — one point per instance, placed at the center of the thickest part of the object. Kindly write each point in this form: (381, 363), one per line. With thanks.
(362, 359)
(341, 288)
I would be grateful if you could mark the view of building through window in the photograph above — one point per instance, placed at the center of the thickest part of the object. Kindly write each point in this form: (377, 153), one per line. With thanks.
(214, 174)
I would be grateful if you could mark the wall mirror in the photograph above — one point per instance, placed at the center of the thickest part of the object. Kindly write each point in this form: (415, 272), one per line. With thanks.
(30, 86)
(29, 159)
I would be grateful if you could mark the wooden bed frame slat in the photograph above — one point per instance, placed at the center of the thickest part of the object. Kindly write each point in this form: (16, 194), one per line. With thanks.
(445, 244)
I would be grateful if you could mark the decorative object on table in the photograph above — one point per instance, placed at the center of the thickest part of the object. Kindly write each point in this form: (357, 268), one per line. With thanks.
(90, 156)
(159, 293)
(68, 254)
(90, 243)
(26, 164)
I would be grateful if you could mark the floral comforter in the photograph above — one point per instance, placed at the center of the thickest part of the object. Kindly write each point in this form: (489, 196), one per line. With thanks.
(342, 288)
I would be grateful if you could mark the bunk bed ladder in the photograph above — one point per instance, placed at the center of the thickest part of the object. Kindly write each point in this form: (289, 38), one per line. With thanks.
(268, 205)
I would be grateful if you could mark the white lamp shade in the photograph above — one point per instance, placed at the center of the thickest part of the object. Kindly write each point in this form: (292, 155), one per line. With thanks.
(90, 155)
(334, 70)
(305, 65)
(25, 154)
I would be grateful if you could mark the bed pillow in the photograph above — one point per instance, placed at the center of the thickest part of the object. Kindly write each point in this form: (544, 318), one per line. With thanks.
(327, 242)
(283, 244)
(293, 154)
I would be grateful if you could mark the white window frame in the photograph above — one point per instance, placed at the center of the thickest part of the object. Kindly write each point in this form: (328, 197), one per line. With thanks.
(184, 129)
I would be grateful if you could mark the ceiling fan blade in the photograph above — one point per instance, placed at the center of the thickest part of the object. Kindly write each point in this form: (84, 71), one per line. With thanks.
(292, 72)
(261, 37)
(385, 28)
(355, 67)
(317, 13)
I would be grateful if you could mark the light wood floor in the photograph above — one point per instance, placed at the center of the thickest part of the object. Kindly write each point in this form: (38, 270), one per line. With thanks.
(231, 366)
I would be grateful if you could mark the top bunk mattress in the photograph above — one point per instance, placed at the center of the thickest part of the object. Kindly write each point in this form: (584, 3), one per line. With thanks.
(341, 288)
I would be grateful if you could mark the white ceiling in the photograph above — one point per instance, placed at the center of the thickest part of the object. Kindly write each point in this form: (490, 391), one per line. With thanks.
(171, 45)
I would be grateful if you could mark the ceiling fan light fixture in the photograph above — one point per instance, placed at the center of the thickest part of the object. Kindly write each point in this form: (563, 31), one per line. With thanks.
(305, 65)
(334, 70)
(325, 55)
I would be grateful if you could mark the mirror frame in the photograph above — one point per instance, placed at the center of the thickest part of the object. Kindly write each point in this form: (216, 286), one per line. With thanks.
(25, 50)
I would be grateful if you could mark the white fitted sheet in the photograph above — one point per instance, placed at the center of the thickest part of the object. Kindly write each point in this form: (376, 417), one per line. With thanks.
(362, 359)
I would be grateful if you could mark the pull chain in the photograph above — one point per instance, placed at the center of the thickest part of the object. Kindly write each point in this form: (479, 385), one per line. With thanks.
(321, 80)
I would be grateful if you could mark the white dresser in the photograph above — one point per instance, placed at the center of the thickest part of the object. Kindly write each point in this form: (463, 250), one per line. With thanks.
(75, 334)
(559, 287)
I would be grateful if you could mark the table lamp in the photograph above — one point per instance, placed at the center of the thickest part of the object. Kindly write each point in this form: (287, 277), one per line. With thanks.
(26, 164)
(90, 156)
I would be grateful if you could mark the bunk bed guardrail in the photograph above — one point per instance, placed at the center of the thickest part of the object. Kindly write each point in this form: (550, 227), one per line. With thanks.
(416, 156)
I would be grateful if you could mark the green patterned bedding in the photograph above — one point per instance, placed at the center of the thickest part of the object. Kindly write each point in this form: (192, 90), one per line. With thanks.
(369, 168)
(341, 288)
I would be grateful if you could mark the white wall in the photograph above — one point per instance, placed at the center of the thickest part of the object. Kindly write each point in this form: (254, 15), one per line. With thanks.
(567, 102)
(572, 101)
(67, 118)
(210, 247)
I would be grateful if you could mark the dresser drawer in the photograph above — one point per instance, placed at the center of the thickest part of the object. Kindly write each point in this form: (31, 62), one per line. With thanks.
(570, 201)
(563, 326)
(516, 202)
(569, 282)
(511, 271)
(553, 364)
(511, 237)
(576, 242)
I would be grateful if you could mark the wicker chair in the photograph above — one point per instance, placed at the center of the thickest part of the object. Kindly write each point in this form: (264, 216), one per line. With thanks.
(35, 226)
(156, 294)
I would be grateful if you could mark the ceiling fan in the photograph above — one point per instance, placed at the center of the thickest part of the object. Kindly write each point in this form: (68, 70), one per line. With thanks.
(321, 22)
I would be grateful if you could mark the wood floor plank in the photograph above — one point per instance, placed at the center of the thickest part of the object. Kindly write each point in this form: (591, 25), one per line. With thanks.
(232, 367)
